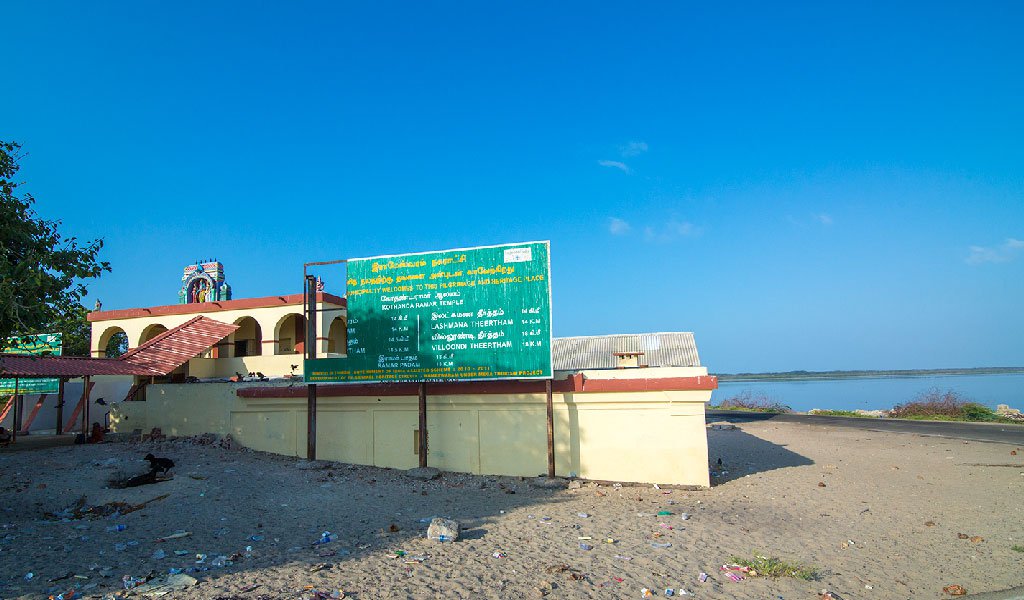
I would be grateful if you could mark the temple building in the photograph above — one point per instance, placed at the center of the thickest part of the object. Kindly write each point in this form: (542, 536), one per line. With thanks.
(270, 338)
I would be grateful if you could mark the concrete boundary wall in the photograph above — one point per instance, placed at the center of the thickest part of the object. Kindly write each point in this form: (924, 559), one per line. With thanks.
(655, 436)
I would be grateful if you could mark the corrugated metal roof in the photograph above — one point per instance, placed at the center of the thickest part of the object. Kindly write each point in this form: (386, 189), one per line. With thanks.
(25, 366)
(674, 349)
(174, 347)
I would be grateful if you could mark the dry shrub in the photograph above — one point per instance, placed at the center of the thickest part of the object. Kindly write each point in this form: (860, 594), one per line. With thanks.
(747, 401)
(949, 404)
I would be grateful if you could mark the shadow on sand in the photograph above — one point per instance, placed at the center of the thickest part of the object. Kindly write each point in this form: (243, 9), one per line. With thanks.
(733, 453)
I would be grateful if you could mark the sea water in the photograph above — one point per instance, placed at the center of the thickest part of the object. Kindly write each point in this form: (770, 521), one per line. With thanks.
(876, 393)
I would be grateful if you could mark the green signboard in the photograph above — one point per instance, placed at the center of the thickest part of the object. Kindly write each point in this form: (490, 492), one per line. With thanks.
(46, 344)
(453, 315)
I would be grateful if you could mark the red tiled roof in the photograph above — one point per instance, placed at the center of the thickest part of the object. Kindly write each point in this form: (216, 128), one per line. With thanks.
(26, 366)
(174, 347)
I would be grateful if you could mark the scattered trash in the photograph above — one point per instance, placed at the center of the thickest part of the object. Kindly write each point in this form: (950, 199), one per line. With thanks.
(664, 545)
(929, 523)
(200, 559)
(827, 595)
(821, 484)
(130, 582)
(976, 539)
(326, 538)
(621, 557)
(583, 515)
(685, 516)
(29, 576)
(733, 576)
(703, 577)
(220, 562)
(955, 590)
(664, 513)
(159, 554)
(256, 538)
(584, 546)
(118, 527)
(669, 592)
(500, 554)
(174, 536)
(646, 593)
(319, 567)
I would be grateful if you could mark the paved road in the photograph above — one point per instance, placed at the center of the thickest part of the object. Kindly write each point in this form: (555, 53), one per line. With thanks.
(979, 432)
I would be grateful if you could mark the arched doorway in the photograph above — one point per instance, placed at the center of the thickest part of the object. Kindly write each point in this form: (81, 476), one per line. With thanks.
(151, 332)
(247, 340)
(337, 337)
(290, 334)
(113, 342)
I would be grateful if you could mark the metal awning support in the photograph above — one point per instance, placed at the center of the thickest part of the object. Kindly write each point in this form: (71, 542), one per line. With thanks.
(311, 341)
(60, 406)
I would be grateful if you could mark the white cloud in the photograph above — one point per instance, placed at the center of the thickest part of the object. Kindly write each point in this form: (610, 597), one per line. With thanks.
(633, 148)
(1005, 252)
(616, 165)
(671, 230)
(824, 219)
(617, 226)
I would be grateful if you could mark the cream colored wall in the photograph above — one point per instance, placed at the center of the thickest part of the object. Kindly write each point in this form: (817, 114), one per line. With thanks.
(656, 437)
(274, 365)
(268, 318)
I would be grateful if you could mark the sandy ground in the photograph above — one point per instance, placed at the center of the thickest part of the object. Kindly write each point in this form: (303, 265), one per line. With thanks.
(878, 514)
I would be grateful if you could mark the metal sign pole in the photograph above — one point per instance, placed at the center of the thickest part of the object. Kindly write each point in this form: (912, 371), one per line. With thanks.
(311, 341)
(551, 429)
(423, 424)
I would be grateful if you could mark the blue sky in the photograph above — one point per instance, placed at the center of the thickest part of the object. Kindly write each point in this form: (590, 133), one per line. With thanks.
(817, 186)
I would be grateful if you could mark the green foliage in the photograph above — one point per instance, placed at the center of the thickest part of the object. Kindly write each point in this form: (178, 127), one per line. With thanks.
(117, 345)
(766, 566)
(1017, 548)
(972, 411)
(41, 272)
(840, 413)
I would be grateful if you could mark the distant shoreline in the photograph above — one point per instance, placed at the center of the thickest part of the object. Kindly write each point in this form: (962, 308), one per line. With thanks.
(812, 375)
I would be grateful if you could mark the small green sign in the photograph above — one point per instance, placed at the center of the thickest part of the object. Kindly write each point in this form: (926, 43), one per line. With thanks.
(469, 314)
(45, 344)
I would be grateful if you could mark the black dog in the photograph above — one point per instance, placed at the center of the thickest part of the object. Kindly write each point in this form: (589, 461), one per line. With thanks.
(159, 464)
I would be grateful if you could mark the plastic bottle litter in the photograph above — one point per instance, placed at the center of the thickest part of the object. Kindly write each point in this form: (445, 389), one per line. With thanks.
(29, 576)
(664, 513)
(685, 516)
(500, 554)
(326, 538)
(130, 582)
(663, 545)
(583, 515)
(220, 562)
(669, 592)
(200, 559)
(118, 527)
(584, 546)
(702, 577)
(159, 554)
(256, 538)
(174, 571)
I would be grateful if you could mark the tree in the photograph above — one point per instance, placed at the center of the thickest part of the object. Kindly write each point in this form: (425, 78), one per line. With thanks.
(41, 273)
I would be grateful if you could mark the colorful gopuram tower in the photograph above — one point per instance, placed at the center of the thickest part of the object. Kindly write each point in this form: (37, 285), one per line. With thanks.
(203, 281)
